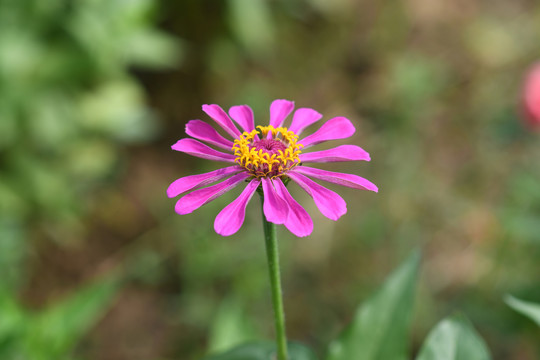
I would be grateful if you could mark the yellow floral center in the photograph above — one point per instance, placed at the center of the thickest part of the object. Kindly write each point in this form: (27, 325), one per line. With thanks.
(267, 156)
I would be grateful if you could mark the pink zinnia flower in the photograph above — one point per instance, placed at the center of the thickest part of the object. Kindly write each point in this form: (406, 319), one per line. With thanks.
(531, 96)
(266, 157)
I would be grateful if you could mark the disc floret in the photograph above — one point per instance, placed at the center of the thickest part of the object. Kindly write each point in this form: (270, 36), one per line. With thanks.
(267, 151)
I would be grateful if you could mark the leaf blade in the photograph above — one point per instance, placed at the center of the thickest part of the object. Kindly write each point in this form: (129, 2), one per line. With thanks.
(380, 326)
(264, 350)
(454, 338)
(527, 308)
(54, 332)
(230, 327)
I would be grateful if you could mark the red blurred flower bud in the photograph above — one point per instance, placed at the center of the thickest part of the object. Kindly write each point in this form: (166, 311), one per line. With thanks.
(531, 96)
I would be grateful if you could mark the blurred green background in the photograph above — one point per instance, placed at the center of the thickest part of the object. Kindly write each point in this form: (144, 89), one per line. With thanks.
(94, 262)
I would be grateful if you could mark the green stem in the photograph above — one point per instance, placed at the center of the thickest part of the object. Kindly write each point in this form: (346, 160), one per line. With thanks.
(272, 255)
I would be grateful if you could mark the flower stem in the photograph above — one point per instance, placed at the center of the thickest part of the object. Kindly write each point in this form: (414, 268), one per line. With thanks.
(272, 255)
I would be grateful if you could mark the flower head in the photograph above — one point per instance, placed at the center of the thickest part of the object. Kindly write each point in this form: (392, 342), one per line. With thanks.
(265, 157)
(531, 96)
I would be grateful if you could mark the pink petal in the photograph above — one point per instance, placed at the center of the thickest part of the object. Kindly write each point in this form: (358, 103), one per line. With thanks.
(198, 149)
(279, 110)
(337, 154)
(274, 207)
(191, 182)
(198, 198)
(302, 118)
(334, 129)
(221, 117)
(231, 218)
(329, 203)
(349, 180)
(205, 132)
(243, 115)
(298, 222)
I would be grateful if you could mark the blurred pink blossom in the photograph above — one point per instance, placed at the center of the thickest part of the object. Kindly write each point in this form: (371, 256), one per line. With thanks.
(531, 96)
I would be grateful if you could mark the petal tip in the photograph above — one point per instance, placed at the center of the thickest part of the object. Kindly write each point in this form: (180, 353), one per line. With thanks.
(275, 221)
(339, 213)
(181, 211)
(170, 192)
(283, 100)
(371, 187)
(222, 232)
(302, 233)
(177, 146)
(210, 108)
(343, 213)
(347, 126)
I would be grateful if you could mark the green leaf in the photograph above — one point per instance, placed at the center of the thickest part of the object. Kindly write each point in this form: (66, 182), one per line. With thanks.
(264, 350)
(54, 332)
(230, 327)
(252, 24)
(12, 318)
(380, 326)
(529, 309)
(153, 49)
(454, 338)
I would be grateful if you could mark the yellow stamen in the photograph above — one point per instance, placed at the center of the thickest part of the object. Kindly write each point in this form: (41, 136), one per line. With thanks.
(262, 164)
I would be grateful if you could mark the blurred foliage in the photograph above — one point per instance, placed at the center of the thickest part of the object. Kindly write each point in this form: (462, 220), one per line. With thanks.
(454, 339)
(264, 351)
(526, 308)
(67, 105)
(379, 328)
(230, 327)
(51, 333)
